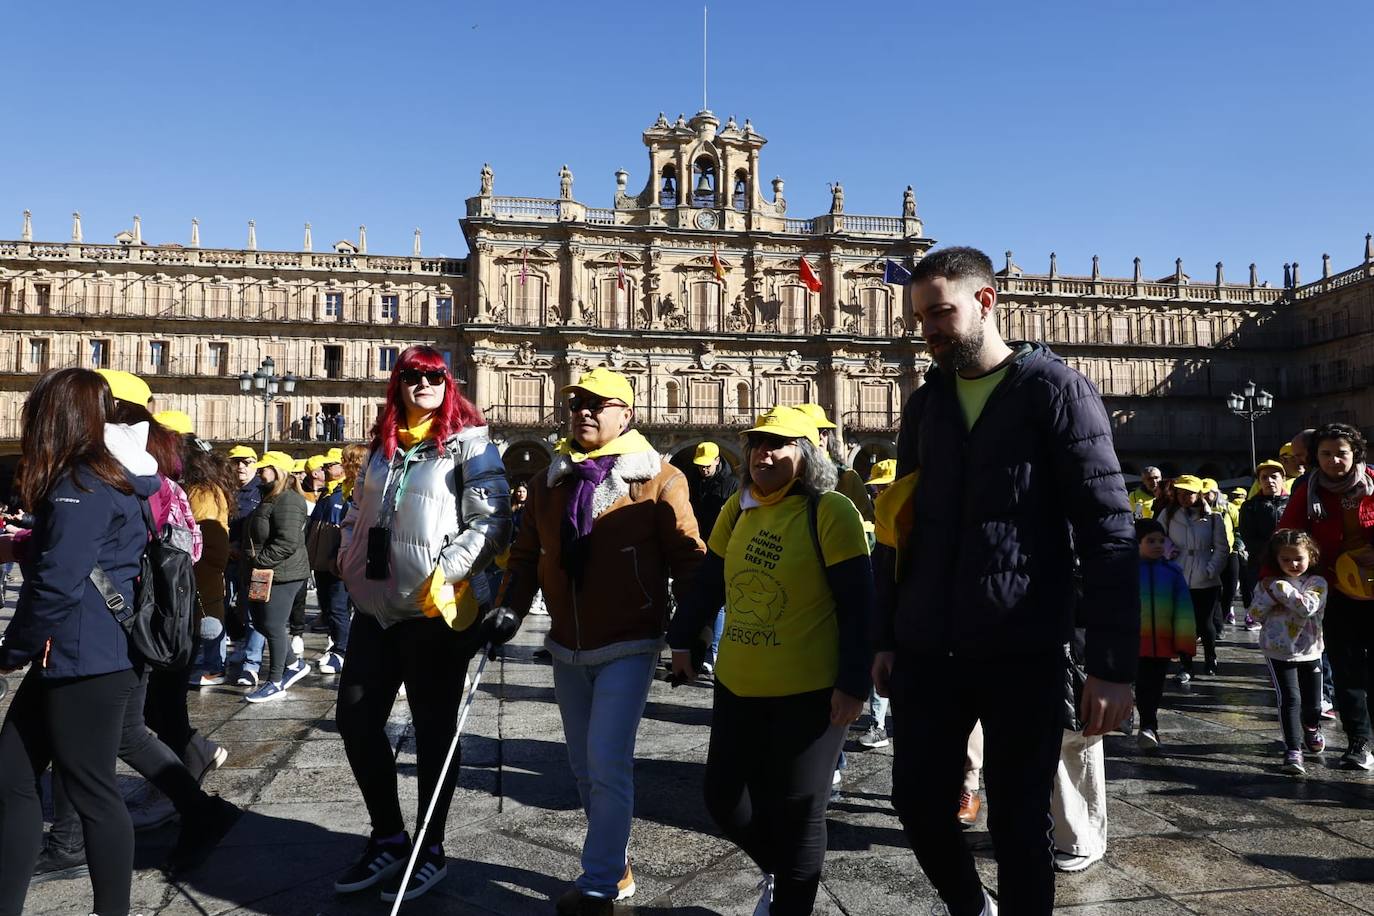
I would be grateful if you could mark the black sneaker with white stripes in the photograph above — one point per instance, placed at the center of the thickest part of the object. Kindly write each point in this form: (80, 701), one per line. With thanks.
(430, 869)
(378, 862)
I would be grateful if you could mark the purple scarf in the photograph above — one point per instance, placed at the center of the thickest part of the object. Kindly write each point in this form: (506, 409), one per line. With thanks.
(587, 475)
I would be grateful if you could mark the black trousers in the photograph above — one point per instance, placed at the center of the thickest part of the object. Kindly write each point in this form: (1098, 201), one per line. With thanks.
(1349, 630)
(1019, 700)
(768, 774)
(430, 659)
(1299, 689)
(1249, 578)
(1205, 615)
(1149, 690)
(75, 724)
(296, 625)
(1230, 582)
(152, 758)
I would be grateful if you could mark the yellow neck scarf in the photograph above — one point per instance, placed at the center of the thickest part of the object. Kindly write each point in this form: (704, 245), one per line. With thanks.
(627, 443)
(417, 432)
(771, 499)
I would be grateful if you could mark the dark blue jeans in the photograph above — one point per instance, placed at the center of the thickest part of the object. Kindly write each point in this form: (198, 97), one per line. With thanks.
(333, 599)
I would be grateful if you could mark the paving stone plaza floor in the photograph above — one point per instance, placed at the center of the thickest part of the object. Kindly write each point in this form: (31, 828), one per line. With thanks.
(1207, 827)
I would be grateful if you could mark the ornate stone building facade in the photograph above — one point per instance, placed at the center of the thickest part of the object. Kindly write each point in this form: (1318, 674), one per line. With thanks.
(693, 286)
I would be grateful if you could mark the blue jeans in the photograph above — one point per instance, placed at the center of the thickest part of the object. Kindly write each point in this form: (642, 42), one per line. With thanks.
(333, 599)
(601, 706)
(210, 658)
(716, 630)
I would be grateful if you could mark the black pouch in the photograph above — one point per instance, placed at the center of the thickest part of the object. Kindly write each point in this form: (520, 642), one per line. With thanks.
(378, 553)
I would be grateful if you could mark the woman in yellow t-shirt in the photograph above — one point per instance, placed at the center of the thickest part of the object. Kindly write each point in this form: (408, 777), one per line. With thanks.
(793, 667)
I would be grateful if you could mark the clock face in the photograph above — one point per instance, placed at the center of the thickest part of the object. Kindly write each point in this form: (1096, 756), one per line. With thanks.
(706, 219)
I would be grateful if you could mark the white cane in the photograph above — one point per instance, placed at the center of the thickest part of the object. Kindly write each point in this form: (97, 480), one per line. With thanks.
(443, 774)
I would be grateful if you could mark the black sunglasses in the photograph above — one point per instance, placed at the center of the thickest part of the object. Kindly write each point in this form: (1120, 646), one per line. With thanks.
(766, 440)
(431, 376)
(591, 403)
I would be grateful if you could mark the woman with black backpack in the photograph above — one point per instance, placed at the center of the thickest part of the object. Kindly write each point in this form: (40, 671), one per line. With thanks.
(70, 708)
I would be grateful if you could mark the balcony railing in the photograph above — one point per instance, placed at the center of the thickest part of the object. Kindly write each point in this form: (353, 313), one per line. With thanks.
(408, 312)
(230, 257)
(872, 421)
(314, 369)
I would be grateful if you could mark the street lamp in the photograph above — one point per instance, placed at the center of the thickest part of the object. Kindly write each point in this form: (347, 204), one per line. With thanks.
(1250, 405)
(264, 384)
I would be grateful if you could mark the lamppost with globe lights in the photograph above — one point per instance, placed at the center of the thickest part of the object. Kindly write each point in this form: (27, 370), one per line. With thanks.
(263, 385)
(1250, 405)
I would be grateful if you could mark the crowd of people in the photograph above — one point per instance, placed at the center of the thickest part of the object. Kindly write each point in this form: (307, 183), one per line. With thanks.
(997, 563)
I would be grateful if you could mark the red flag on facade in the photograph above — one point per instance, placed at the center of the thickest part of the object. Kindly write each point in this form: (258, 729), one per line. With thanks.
(523, 255)
(716, 266)
(619, 273)
(808, 276)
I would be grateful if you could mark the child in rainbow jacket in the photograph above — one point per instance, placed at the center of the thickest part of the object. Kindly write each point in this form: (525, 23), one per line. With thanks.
(1167, 626)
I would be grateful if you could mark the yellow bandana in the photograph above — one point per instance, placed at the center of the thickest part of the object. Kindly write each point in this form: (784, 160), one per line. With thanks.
(409, 435)
(771, 499)
(627, 443)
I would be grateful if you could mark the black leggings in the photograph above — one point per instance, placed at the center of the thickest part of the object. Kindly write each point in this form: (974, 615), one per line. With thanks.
(297, 624)
(1204, 606)
(1149, 690)
(1299, 689)
(74, 724)
(270, 619)
(768, 776)
(1349, 631)
(147, 755)
(430, 659)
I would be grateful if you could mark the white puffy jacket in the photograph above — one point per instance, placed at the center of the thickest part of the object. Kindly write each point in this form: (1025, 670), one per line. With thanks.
(1201, 544)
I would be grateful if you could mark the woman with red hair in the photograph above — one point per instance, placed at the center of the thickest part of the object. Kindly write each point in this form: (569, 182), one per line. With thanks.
(432, 486)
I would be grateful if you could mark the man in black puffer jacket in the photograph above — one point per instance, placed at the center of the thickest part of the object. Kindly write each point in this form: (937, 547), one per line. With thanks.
(1017, 472)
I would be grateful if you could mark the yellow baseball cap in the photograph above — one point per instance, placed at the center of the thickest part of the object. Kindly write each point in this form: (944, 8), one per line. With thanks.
(278, 461)
(333, 456)
(1239, 491)
(884, 472)
(297, 465)
(706, 453)
(1267, 465)
(1286, 450)
(1208, 484)
(126, 386)
(243, 451)
(1188, 483)
(606, 383)
(315, 462)
(175, 420)
(817, 414)
(787, 423)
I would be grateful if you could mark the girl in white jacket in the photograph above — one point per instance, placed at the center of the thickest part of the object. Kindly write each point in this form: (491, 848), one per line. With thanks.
(1198, 535)
(1289, 607)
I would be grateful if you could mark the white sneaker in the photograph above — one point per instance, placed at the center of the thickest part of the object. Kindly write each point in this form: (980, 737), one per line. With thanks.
(331, 663)
(765, 889)
(989, 907)
(297, 646)
(206, 679)
(1068, 862)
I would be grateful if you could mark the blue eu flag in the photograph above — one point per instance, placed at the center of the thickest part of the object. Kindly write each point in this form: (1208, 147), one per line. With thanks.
(895, 273)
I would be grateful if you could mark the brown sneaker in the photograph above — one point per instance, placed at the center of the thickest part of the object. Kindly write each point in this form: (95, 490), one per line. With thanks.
(969, 806)
(625, 889)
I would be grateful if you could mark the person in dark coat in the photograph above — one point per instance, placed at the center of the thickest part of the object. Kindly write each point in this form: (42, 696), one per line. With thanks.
(1017, 475)
(1259, 516)
(709, 489)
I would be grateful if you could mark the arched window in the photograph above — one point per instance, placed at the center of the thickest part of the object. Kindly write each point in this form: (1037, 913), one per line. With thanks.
(704, 311)
(613, 310)
(739, 195)
(742, 398)
(704, 184)
(875, 319)
(527, 300)
(667, 191)
(674, 399)
(792, 310)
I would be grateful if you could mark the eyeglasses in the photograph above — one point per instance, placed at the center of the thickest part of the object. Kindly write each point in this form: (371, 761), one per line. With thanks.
(593, 405)
(432, 377)
(243, 461)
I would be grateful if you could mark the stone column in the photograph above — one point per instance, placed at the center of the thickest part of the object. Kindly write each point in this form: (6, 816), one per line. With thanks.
(832, 294)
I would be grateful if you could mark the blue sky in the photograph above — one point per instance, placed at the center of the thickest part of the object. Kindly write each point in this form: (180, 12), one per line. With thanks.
(1227, 130)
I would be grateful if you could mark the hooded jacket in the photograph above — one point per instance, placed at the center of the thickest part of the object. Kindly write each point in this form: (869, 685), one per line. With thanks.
(988, 570)
(1167, 624)
(82, 522)
(274, 536)
(644, 532)
(446, 510)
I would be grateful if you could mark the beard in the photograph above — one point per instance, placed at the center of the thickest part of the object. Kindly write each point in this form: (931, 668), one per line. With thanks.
(963, 350)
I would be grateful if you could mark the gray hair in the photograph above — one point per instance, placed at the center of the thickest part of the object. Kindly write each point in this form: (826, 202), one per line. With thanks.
(819, 474)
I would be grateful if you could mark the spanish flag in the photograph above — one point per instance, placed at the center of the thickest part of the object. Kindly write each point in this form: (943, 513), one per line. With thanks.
(808, 276)
(716, 266)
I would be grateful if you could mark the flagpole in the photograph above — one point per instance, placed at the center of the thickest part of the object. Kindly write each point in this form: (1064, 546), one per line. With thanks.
(704, 106)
